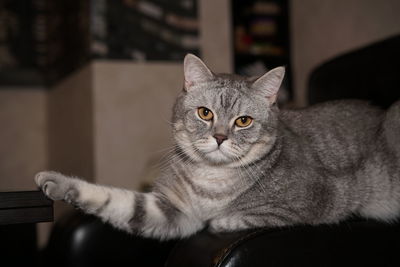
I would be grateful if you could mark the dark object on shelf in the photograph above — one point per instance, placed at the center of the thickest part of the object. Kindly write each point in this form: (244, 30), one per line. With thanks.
(85, 241)
(19, 211)
(147, 30)
(25, 207)
(370, 73)
(45, 40)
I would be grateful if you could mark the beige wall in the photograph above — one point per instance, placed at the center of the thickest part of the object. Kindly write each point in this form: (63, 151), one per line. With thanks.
(132, 110)
(70, 113)
(23, 137)
(322, 29)
(216, 34)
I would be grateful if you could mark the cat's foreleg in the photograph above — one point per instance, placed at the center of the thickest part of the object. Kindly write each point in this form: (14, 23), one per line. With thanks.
(239, 222)
(149, 214)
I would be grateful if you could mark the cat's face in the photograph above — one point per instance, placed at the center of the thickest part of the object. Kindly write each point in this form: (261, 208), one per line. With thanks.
(225, 119)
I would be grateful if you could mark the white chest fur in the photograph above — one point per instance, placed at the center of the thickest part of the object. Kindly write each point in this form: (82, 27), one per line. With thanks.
(213, 188)
(213, 178)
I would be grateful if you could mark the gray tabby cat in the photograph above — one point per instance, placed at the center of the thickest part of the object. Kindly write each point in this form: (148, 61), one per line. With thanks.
(241, 163)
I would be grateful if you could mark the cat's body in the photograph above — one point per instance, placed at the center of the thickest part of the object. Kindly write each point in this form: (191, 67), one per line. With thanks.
(328, 163)
(311, 166)
(339, 151)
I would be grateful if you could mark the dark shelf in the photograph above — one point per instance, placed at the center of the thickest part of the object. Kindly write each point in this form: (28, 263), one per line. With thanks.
(25, 207)
(261, 37)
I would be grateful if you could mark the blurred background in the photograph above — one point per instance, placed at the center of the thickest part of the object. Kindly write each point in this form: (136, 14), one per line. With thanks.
(87, 86)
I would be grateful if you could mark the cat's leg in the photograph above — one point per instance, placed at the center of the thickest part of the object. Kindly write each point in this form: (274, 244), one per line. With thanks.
(149, 214)
(383, 201)
(238, 222)
(228, 224)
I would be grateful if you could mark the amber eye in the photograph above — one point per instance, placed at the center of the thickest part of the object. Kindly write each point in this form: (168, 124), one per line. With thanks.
(243, 121)
(205, 113)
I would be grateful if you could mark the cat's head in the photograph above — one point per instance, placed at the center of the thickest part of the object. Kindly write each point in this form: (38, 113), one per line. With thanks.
(225, 119)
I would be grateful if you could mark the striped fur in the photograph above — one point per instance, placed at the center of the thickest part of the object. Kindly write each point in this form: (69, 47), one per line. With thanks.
(310, 166)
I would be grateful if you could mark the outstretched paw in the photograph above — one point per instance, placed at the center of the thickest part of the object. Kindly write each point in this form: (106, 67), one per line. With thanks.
(57, 186)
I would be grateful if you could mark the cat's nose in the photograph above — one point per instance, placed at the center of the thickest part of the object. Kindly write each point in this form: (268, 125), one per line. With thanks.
(220, 138)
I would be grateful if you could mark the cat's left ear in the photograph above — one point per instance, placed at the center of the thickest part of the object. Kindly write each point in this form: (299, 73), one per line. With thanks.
(195, 71)
(269, 83)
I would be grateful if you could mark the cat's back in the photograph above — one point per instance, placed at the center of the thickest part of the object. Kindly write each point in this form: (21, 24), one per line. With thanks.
(337, 133)
(345, 116)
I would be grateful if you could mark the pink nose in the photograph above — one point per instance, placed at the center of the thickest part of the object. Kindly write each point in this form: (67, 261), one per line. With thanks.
(220, 138)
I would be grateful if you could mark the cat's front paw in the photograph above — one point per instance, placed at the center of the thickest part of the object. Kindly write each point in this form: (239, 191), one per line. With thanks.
(57, 186)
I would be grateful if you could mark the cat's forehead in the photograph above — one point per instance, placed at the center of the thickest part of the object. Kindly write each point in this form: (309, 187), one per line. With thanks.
(226, 96)
(231, 82)
(219, 93)
(223, 86)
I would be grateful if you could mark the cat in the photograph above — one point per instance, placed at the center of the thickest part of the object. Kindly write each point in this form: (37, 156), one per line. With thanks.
(239, 163)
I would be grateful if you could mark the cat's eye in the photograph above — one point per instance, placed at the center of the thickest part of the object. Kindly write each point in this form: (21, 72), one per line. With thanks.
(205, 113)
(243, 121)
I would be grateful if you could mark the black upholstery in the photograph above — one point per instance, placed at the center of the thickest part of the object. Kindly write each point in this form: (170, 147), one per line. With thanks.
(82, 240)
(356, 243)
(370, 73)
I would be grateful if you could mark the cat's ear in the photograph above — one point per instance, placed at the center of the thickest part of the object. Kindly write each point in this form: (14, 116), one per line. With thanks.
(195, 71)
(269, 83)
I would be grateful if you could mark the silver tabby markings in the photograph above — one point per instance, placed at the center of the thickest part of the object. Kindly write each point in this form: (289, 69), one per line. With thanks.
(239, 162)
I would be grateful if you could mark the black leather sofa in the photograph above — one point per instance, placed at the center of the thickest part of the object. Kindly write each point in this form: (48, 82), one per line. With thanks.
(371, 73)
(80, 240)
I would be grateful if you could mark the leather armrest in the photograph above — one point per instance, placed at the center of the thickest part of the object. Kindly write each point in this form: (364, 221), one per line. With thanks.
(356, 243)
(82, 240)
(370, 73)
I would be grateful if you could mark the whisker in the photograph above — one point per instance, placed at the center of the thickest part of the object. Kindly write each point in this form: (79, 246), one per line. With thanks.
(252, 175)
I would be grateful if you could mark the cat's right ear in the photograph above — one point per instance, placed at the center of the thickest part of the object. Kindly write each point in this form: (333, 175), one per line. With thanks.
(195, 71)
(269, 83)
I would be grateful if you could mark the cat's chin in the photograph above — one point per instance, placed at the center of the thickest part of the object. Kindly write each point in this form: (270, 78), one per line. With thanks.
(218, 157)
